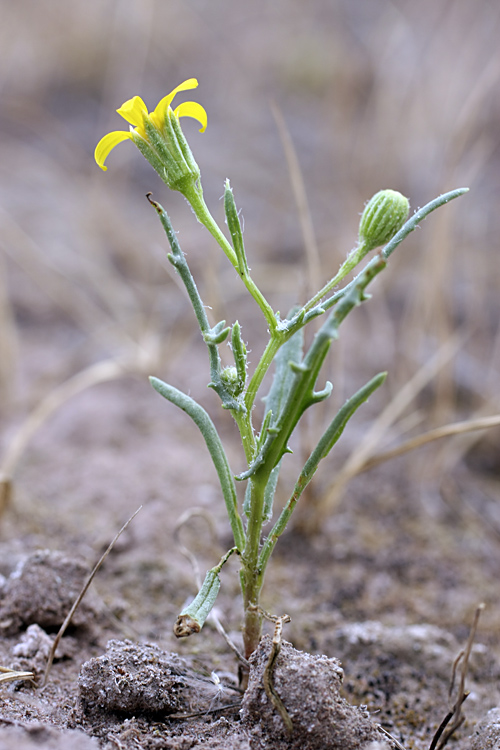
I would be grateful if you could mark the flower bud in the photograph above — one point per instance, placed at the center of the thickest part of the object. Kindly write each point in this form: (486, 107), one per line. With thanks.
(230, 378)
(384, 215)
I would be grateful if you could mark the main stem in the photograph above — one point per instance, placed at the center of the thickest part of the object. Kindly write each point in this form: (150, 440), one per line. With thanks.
(251, 573)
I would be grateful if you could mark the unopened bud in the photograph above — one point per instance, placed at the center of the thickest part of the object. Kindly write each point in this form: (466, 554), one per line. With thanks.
(384, 215)
(229, 377)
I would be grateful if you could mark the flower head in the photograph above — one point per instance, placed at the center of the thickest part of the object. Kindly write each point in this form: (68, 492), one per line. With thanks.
(384, 215)
(158, 136)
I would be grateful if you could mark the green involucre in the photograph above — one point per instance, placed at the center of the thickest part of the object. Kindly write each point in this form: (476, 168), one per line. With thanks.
(384, 215)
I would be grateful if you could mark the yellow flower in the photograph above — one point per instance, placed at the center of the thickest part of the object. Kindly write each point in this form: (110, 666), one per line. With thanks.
(135, 112)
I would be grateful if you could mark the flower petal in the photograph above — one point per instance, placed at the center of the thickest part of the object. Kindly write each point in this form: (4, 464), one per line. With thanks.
(133, 111)
(158, 115)
(195, 110)
(107, 144)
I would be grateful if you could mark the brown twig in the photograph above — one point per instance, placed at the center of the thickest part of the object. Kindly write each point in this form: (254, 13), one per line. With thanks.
(301, 201)
(267, 677)
(7, 675)
(80, 596)
(397, 744)
(455, 428)
(454, 715)
(217, 709)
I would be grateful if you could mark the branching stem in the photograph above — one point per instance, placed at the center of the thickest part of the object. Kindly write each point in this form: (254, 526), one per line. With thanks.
(293, 391)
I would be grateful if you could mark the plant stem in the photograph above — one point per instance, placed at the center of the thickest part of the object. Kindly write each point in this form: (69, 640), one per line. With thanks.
(277, 339)
(244, 421)
(200, 208)
(351, 261)
(252, 622)
(178, 260)
(358, 253)
(251, 577)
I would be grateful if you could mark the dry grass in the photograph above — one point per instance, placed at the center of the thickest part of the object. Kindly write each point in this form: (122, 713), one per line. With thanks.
(370, 96)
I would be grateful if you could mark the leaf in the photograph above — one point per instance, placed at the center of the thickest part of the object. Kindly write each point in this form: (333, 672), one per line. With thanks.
(215, 448)
(289, 355)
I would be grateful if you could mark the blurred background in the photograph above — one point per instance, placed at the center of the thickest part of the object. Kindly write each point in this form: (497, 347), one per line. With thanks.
(338, 97)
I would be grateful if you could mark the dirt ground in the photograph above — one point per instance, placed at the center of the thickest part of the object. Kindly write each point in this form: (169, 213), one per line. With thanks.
(389, 588)
(382, 589)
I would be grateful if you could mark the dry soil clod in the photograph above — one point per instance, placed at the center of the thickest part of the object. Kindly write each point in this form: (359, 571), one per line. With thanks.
(309, 687)
(140, 679)
(41, 590)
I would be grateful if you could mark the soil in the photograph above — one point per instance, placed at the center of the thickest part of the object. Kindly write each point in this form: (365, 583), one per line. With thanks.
(387, 590)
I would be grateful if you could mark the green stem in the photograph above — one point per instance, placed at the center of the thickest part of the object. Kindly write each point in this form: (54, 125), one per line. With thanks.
(251, 578)
(277, 339)
(178, 260)
(244, 421)
(301, 394)
(200, 208)
(195, 198)
(355, 256)
(264, 305)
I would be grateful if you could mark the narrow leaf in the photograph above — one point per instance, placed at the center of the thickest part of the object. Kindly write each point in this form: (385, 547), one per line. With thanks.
(270, 492)
(324, 446)
(193, 617)
(288, 357)
(216, 450)
(234, 225)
